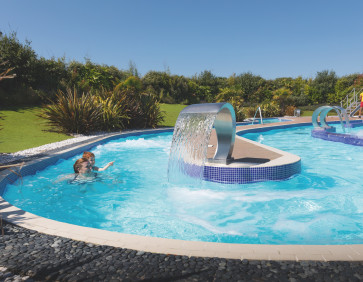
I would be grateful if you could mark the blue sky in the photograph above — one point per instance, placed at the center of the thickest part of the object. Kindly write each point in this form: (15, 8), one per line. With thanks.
(268, 38)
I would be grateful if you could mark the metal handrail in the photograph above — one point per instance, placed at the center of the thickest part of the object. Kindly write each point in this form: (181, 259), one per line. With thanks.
(351, 100)
(258, 109)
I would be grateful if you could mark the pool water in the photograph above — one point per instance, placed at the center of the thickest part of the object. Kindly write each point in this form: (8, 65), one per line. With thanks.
(264, 120)
(322, 205)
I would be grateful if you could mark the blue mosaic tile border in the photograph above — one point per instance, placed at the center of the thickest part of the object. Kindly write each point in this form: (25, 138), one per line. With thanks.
(355, 123)
(34, 166)
(337, 137)
(242, 175)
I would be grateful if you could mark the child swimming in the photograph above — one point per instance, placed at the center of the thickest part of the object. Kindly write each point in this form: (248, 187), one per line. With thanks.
(82, 166)
(91, 158)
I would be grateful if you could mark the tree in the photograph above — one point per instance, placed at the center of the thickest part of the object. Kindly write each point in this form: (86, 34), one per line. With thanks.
(19, 56)
(158, 83)
(343, 86)
(90, 76)
(249, 83)
(208, 79)
(5, 73)
(323, 85)
(283, 98)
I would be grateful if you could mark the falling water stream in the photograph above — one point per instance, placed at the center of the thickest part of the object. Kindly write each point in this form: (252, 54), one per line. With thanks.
(189, 145)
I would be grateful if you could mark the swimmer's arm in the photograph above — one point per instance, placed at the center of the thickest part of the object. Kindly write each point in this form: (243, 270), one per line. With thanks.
(103, 168)
(64, 177)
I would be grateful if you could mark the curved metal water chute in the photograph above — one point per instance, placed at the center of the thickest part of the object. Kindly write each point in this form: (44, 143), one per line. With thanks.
(224, 125)
(323, 112)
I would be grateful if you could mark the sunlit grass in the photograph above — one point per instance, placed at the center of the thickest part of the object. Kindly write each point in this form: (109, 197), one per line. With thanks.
(22, 129)
(172, 111)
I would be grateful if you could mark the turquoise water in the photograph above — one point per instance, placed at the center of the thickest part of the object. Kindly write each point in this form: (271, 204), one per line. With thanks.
(322, 205)
(264, 120)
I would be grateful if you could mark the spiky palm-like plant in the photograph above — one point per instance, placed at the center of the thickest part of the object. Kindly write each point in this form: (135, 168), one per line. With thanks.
(114, 109)
(152, 114)
(73, 113)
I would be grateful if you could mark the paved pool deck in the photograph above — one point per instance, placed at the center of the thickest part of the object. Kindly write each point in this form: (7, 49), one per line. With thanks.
(21, 229)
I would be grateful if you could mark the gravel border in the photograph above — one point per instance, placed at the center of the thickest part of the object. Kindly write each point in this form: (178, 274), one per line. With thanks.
(48, 148)
(27, 255)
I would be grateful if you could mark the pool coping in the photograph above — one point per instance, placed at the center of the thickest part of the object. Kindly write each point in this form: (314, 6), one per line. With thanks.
(28, 220)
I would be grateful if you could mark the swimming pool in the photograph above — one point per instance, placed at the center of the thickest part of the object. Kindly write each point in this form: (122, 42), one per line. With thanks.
(322, 205)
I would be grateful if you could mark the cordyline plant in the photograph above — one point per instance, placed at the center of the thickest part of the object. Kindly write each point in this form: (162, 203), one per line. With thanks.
(151, 111)
(114, 109)
(73, 113)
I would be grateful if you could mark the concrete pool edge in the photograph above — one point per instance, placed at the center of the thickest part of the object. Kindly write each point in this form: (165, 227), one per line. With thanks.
(27, 220)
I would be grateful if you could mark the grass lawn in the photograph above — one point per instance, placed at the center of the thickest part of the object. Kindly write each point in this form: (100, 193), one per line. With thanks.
(22, 129)
(172, 111)
(307, 113)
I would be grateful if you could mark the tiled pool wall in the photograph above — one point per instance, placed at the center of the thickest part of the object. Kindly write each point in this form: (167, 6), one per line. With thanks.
(355, 123)
(337, 137)
(345, 138)
(243, 175)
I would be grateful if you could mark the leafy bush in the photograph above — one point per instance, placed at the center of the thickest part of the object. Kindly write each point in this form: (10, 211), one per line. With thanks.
(143, 109)
(282, 97)
(72, 113)
(271, 109)
(238, 109)
(249, 111)
(290, 110)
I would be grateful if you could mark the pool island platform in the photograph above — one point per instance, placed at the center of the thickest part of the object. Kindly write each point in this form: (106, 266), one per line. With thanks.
(31, 230)
(250, 162)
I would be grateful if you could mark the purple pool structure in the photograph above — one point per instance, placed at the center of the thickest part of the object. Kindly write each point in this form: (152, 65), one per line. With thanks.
(329, 134)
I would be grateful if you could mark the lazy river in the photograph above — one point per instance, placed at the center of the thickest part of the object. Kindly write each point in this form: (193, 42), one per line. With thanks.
(321, 205)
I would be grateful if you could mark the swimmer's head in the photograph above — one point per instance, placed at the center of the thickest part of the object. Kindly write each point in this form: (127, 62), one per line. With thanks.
(82, 166)
(90, 157)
